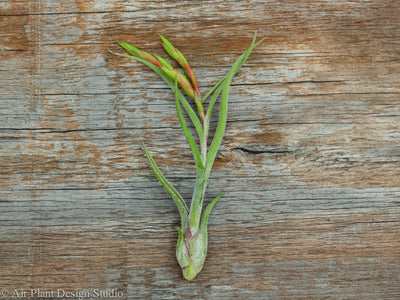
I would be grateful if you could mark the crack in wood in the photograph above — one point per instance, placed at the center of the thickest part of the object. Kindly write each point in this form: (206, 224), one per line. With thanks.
(256, 152)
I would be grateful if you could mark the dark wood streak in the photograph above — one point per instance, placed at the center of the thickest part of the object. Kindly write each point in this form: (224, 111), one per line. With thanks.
(309, 163)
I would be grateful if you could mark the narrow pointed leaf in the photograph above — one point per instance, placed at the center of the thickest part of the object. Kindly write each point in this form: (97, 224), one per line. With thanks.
(179, 201)
(207, 211)
(189, 138)
(210, 107)
(213, 88)
(219, 133)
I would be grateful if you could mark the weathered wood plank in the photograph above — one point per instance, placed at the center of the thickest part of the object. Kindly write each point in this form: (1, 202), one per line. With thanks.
(310, 162)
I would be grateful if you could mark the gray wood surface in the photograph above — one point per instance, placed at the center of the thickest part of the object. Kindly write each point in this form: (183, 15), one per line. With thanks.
(310, 162)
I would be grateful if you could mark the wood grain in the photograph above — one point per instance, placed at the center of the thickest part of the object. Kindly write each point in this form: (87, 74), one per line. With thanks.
(310, 162)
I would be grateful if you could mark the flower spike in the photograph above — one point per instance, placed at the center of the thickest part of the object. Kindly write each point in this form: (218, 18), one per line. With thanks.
(165, 67)
(181, 60)
(132, 50)
(183, 82)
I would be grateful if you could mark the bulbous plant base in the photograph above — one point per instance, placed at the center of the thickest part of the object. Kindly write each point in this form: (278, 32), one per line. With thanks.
(191, 252)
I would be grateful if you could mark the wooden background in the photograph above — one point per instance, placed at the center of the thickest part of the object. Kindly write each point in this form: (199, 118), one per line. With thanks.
(310, 162)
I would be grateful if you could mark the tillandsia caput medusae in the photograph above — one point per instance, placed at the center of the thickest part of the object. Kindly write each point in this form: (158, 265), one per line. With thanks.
(191, 249)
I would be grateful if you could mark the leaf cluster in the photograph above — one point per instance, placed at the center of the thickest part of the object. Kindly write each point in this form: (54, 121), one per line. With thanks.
(203, 153)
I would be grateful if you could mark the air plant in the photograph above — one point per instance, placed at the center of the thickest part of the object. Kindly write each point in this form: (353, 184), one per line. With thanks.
(191, 249)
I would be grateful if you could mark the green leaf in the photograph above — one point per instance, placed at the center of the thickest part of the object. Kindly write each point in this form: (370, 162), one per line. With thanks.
(210, 107)
(179, 201)
(197, 200)
(218, 84)
(189, 138)
(207, 211)
(182, 254)
(193, 116)
(219, 133)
